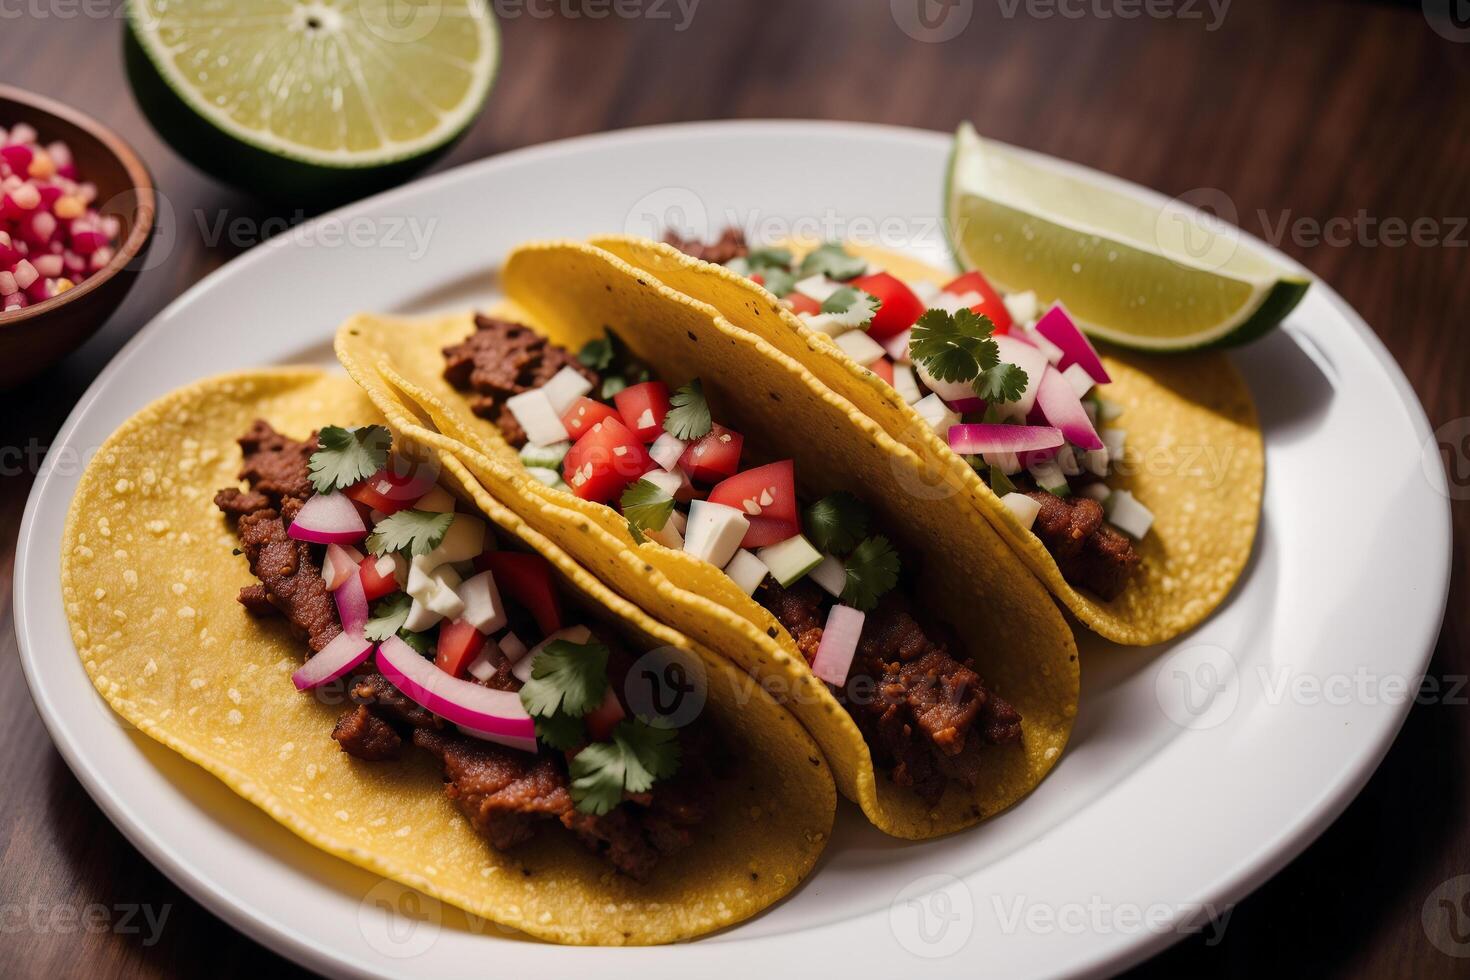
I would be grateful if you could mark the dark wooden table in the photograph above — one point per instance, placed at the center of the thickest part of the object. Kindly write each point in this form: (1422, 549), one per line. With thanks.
(1300, 111)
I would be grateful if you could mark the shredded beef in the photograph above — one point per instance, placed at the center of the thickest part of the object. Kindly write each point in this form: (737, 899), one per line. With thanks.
(730, 245)
(276, 465)
(1090, 553)
(925, 714)
(237, 503)
(291, 578)
(366, 736)
(504, 793)
(501, 360)
(257, 601)
(388, 702)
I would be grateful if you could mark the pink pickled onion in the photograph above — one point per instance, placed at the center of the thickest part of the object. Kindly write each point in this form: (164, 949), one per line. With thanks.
(839, 644)
(950, 391)
(974, 440)
(328, 518)
(342, 562)
(496, 716)
(352, 603)
(1029, 359)
(1058, 327)
(342, 656)
(966, 405)
(1063, 409)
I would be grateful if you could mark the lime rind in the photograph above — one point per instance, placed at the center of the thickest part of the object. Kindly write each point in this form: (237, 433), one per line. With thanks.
(1125, 269)
(145, 26)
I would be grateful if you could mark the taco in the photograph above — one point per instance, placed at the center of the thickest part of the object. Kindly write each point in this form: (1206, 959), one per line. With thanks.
(361, 641)
(1130, 484)
(716, 483)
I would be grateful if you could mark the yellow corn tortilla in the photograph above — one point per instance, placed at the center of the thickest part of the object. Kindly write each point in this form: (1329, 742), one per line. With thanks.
(1194, 449)
(572, 293)
(149, 581)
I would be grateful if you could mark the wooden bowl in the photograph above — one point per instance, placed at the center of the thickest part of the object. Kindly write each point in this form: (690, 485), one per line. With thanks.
(34, 338)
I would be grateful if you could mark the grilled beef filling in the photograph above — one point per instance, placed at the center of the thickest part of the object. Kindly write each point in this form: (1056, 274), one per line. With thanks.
(926, 715)
(506, 795)
(730, 245)
(501, 360)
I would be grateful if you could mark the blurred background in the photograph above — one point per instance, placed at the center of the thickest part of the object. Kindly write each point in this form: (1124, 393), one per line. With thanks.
(1298, 111)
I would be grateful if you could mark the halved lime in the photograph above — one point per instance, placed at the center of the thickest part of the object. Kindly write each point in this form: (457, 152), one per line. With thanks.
(1137, 274)
(313, 96)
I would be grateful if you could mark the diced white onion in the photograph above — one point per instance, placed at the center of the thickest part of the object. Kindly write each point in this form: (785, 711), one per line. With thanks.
(747, 571)
(1023, 507)
(565, 387)
(540, 420)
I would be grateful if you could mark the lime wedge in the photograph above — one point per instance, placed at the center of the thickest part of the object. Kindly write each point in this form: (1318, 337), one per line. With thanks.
(1131, 272)
(287, 96)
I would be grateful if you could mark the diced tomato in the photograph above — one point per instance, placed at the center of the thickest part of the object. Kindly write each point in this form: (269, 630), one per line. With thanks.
(766, 495)
(643, 408)
(715, 457)
(757, 278)
(395, 487)
(606, 459)
(990, 304)
(602, 719)
(802, 303)
(377, 586)
(459, 644)
(898, 307)
(583, 414)
(883, 368)
(527, 579)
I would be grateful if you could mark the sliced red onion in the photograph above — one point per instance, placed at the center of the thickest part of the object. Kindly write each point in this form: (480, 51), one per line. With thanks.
(352, 604)
(496, 716)
(341, 563)
(1026, 357)
(1058, 327)
(328, 518)
(338, 658)
(950, 391)
(967, 405)
(974, 440)
(839, 644)
(1063, 409)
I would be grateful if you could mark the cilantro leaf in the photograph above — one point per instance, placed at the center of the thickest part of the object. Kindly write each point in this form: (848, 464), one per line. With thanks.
(1001, 383)
(1000, 484)
(837, 522)
(778, 282)
(647, 506)
(872, 569)
(347, 456)
(561, 731)
(566, 677)
(954, 347)
(689, 417)
(422, 644)
(388, 617)
(761, 259)
(416, 531)
(638, 756)
(853, 308)
(612, 384)
(598, 354)
(833, 261)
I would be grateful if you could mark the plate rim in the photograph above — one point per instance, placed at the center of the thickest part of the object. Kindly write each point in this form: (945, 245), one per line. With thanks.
(1107, 955)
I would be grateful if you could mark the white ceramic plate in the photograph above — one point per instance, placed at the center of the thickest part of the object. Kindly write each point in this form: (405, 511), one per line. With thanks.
(1194, 772)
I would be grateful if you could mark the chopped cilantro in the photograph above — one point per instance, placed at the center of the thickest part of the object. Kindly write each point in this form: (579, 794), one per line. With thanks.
(778, 282)
(638, 755)
(954, 346)
(566, 677)
(689, 417)
(348, 456)
(561, 731)
(837, 522)
(598, 354)
(761, 259)
(421, 643)
(416, 531)
(611, 385)
(872, 569)
(647, 507)
(833, 261)
(1000, 484)
(388, 617)
(1001, 383)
